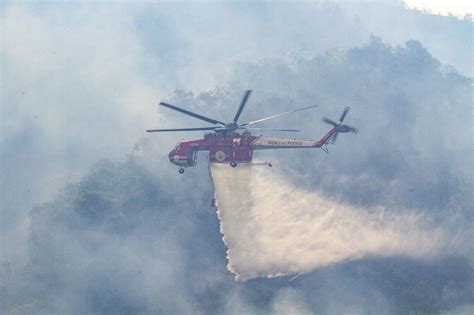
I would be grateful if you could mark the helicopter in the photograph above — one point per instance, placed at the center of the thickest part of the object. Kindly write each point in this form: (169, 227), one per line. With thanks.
(233, 142)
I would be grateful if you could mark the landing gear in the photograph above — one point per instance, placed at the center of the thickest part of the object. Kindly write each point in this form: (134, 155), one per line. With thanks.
(181, 170)
(233, 164)
(270, 164)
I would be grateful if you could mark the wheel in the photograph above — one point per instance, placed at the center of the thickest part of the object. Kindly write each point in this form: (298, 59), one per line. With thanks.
(181, 170)
(233, 164)
(270, 164)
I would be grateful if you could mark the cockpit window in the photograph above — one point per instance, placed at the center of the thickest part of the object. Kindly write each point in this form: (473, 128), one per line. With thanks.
(176, 148)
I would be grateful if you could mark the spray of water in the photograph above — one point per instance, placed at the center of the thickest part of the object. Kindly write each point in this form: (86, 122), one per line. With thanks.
(272, 228)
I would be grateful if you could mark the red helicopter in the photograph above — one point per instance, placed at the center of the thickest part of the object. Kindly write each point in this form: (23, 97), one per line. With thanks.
(226, 145)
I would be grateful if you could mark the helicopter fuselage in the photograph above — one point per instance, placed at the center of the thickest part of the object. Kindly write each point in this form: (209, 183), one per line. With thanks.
(221, 150)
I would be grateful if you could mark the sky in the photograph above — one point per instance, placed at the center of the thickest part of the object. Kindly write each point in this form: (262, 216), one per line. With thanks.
(458, 8)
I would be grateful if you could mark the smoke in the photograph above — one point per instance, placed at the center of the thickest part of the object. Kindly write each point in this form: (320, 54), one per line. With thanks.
(80, 83)
(273, 228)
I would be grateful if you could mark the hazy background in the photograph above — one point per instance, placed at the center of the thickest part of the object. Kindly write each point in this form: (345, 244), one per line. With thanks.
(80, 83)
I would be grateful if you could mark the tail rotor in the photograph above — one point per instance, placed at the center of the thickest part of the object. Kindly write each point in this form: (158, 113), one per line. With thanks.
(340, 127)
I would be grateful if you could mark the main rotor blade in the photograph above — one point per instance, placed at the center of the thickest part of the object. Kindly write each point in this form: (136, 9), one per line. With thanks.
(344, 113)
(242, 104)
(266, 129)
(187, 112)
(278, 115)
(182, 129)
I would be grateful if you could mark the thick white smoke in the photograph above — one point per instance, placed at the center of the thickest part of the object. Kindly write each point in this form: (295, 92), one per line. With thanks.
(272, 228)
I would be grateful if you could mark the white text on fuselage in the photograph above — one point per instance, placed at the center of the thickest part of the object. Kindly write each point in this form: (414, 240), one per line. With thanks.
(282, 142)
(273, 142)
